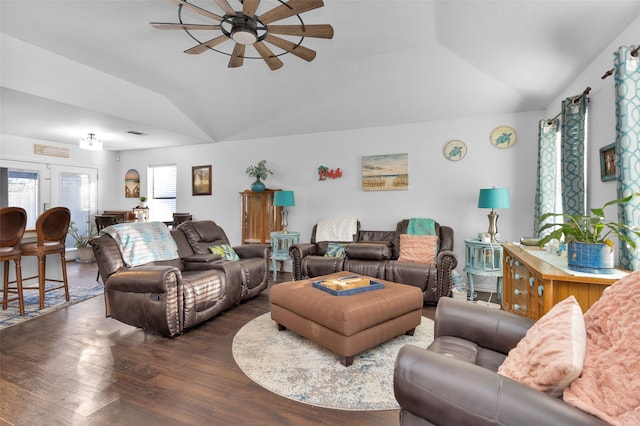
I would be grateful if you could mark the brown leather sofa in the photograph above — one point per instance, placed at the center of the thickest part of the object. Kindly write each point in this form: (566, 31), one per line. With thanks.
(375, 254)
(454, 380)
(169, 297)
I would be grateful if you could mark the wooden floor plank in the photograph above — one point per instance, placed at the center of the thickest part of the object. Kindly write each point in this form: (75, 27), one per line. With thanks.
(74, 366)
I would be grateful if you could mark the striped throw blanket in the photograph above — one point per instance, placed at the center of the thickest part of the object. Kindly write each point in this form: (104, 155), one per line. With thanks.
(143, 242)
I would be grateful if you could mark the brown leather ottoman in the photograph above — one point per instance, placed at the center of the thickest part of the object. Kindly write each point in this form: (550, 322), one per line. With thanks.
(346, 325)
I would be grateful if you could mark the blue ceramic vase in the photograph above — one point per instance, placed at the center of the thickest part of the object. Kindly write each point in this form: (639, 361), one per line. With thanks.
(257, 186)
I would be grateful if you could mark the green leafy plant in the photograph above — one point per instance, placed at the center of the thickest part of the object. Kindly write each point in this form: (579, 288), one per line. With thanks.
(143, 199)
(82, 239)
(259, 171)
(589, 228)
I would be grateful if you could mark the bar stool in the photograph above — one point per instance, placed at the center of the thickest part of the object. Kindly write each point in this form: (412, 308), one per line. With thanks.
(51, 227)
(14, 222)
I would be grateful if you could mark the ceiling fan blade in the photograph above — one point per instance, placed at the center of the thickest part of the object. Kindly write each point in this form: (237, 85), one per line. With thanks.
(317, 31)
(300, 51)
(292, 7)
(249, 7)
(170, 26)
(206, 45)
(237, 56)
(197, 9)
(272, 61)
(224, 5)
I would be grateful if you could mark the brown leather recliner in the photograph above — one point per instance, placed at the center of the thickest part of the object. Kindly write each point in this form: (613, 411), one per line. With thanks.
(249, 275)
(367, 257)
(454, 380)
(308, 259)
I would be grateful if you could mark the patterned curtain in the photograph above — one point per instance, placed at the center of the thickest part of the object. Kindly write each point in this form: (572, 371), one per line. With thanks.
(573, 147)
(627, 84)
(547, 181)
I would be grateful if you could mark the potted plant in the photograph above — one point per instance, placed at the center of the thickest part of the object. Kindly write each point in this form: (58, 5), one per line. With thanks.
(143, 202)
(258, 171)
(589, 247)
(85, 252)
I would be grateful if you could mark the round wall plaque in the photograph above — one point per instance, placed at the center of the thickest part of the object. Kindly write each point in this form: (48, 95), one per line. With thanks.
(455, 150)
(503, 137)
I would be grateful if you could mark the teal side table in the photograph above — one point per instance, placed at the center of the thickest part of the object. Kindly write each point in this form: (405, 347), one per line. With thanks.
(483, 259)
(280, 243)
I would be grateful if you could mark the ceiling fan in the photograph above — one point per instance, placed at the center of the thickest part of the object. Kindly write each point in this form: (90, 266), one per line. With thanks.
(246, 28)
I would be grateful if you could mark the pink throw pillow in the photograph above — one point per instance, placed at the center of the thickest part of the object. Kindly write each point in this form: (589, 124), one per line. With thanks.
(418, 248)
(551, 355)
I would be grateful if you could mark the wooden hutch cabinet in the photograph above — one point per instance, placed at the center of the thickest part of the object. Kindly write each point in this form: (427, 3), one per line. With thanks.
(532, 286)
(259, 216)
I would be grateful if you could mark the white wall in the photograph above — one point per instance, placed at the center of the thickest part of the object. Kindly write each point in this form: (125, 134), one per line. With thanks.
(439, 188)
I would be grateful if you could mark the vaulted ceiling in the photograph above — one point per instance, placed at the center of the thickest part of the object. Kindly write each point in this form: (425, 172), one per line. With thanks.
(70, 67)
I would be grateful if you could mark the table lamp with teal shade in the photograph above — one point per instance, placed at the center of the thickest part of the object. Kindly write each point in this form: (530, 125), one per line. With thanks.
(284, 199)
(494, 198)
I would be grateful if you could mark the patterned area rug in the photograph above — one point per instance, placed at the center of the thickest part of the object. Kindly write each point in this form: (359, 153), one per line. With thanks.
(295, 368)
(53, 301)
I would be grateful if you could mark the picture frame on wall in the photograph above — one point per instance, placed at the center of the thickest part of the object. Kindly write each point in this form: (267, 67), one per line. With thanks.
(201, 180)
(608, 162)
(389, 172)
(132, 184)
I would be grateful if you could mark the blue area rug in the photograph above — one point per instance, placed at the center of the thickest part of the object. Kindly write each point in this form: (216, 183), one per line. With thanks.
(53, 301)
(295, 368)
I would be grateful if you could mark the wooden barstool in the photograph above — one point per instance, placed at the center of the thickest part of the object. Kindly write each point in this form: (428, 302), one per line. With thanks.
(13, 221)
(51, 227)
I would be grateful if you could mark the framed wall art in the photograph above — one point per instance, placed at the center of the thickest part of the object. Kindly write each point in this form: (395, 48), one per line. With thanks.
(503, 137)
(608, 162)
(201, 180)
(388, 172)
(455, 150)
(132, 184)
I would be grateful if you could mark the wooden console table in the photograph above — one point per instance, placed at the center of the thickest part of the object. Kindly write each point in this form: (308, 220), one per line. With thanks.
(533, 286)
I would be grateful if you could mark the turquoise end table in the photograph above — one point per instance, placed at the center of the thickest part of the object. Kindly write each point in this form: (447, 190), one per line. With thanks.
(280, 243)
(483, 259)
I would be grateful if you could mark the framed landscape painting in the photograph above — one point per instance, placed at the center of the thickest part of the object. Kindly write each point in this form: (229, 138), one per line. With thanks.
(201, 180)
(389, 172)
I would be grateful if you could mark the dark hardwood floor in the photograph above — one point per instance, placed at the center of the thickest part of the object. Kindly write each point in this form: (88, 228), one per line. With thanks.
(74, 366)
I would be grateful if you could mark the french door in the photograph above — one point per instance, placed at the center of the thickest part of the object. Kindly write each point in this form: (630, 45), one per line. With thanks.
(76, 189)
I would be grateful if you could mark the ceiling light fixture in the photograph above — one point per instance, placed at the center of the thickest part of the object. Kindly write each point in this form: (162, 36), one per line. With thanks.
(91, 143)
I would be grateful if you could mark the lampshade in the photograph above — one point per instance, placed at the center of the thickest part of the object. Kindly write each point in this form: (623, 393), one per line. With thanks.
(283, 198)
(494, 198)
(91, 143)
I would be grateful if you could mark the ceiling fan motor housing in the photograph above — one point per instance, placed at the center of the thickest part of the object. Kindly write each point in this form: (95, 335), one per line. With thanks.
(244, 30)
